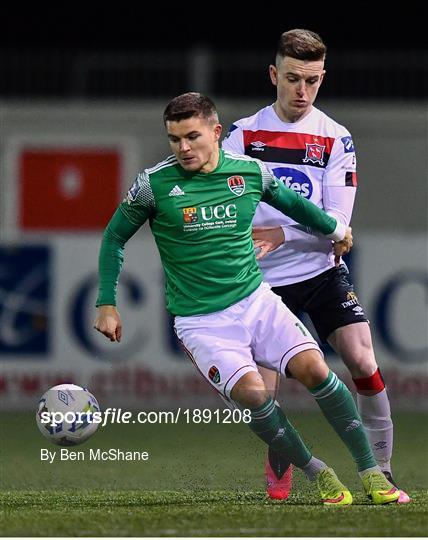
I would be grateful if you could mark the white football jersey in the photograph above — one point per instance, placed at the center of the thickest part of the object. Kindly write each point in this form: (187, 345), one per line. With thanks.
(315, 157)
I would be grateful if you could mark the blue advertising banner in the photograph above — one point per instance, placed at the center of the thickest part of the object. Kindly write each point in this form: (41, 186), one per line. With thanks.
(24, 300)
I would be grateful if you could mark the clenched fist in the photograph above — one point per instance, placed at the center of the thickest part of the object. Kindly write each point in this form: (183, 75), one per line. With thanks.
(108, 323)
(344, 246)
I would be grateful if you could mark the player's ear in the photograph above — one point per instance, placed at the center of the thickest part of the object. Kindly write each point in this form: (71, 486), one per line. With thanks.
(322, 76)
(273, 72)
(217, 131)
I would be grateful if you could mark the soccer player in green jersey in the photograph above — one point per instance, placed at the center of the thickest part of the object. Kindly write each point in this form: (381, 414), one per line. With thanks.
(200, 203)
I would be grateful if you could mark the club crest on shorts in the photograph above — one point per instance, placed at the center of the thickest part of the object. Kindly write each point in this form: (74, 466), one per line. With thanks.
(214, 374)
(236, 185)
(314, 153)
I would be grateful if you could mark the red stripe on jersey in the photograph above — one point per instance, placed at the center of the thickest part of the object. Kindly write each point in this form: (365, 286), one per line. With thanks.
(279, 139)
(351, 179)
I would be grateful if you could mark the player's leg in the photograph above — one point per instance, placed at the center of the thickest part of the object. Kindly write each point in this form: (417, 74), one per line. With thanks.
(283, 336)
(337, 405)
(353, 343)
(220, 346)
(278, 337)
(336, 402)
(271, 425)
(278, 468)
(340, 319)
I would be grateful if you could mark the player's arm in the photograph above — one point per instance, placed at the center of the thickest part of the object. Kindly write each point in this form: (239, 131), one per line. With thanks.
(340, 184)
(126, 221)
(338, 203)
(340, 180)
(303, 211)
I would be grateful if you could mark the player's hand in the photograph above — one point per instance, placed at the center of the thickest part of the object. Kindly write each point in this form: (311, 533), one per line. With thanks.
(108, 323)
(267, 239)
(343, 247)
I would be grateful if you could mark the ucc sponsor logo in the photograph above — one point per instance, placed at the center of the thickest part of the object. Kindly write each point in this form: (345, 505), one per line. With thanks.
(218, 212)
(209, 213)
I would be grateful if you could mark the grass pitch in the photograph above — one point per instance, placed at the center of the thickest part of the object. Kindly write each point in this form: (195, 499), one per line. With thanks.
(200, 480)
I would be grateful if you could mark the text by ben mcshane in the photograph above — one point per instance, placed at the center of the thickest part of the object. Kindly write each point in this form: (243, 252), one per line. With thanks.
(92, 454)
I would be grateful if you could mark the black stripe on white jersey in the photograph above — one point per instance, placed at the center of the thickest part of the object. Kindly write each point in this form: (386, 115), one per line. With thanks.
(284, 155)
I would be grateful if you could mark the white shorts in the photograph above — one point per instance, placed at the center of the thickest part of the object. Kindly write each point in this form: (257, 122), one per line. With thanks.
(258, 330)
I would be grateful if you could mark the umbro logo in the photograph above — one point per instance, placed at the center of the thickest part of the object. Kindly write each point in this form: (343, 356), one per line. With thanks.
(176, 191)
(258, 146)
(380, 445)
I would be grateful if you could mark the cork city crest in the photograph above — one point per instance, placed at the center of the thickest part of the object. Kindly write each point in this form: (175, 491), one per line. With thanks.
(236, 185)
(214, 374)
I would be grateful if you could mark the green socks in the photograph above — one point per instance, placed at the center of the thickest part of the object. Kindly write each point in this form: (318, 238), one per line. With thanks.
(272, 426)
(338, 406)
(336, 402)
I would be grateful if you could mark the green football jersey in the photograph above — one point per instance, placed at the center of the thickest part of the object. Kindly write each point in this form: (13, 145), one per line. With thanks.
(202, 224)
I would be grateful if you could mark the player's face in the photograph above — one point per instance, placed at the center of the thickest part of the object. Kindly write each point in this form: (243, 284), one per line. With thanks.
(194, 142)
(297, 83)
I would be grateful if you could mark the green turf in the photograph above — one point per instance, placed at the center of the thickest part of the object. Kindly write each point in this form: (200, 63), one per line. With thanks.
(199, 481)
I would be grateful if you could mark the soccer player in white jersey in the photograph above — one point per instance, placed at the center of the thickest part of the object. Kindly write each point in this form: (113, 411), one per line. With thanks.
(315, 156)
(200, 203)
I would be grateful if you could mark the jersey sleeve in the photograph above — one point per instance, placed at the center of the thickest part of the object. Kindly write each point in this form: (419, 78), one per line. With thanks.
(340, 180)
(300, 209)
(128, 218)
(139, 203)
(234, 140)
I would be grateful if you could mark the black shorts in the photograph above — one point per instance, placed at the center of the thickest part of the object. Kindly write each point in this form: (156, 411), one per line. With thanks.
(329, 300)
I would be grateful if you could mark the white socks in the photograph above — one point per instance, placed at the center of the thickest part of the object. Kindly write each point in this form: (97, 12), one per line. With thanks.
(376, 415)
(313, 467)
(371, 469)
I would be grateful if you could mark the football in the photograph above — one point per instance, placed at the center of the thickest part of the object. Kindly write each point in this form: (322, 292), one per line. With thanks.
(65, 414)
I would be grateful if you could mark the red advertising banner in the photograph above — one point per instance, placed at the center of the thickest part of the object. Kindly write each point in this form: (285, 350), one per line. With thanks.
(68, 189)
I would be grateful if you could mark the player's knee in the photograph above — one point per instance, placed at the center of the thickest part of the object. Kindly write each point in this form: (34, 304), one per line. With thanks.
(354, 345)
(271, 380)
(361, 361)
(250, 391)
(309, 368)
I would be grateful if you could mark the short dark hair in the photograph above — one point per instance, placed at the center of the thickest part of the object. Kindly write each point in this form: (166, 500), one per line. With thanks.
(302, 45)
(189, 105)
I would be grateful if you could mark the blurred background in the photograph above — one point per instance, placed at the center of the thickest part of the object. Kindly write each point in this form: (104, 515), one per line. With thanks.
(81, 101)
